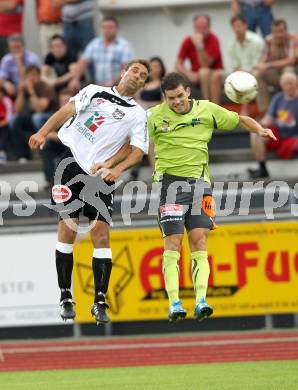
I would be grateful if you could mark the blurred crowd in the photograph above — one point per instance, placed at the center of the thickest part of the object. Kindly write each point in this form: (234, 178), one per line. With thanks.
(32, 87)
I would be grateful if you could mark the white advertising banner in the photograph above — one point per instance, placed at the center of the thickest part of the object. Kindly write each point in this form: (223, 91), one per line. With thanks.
(29, 293)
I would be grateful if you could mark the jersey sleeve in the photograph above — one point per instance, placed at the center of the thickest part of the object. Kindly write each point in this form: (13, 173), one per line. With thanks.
(83, 97)
(138, 133)
(223, 119)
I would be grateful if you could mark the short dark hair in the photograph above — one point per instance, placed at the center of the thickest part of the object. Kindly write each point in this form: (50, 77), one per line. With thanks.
(138, 61)
(279, 22)
(238, 18)
(31, 68)
(172, 81)
(57, 36)
(110, 18)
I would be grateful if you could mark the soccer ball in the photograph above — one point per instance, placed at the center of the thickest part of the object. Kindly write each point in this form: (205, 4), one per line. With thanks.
(241, 87)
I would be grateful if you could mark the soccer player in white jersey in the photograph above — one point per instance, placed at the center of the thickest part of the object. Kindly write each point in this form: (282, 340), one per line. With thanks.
(95, 125)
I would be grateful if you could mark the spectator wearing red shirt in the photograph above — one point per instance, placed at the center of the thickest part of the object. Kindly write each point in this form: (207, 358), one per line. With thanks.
(202, 49)
(11, 15)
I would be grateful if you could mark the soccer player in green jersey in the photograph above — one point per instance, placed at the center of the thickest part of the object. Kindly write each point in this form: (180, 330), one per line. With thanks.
(180, 129)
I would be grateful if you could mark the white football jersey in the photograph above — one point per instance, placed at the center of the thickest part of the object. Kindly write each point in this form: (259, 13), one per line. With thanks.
(104, 121)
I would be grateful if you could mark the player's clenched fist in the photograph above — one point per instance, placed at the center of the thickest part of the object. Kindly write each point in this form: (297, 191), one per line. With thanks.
(36, 141)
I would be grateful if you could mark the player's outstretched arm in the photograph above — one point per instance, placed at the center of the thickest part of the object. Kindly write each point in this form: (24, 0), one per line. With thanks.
(253, 126)
(37, 140)
(134, 157)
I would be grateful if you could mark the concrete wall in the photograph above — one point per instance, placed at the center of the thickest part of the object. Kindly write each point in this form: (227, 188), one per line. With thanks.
(159, 31)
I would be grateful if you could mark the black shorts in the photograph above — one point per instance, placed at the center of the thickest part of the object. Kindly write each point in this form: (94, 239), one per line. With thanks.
(185, 202)
(75, 191)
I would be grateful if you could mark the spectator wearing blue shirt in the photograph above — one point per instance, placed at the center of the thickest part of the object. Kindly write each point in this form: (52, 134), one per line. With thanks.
(107, 54)
(282, 117)
(13, 65)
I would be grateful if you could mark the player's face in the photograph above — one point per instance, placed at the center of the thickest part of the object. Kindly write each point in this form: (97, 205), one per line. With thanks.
(178, 99)
(134, 78)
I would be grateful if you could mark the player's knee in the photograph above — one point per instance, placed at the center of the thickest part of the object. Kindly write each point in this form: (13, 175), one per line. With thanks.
(173, 242)
(100, 237)
(67, 232)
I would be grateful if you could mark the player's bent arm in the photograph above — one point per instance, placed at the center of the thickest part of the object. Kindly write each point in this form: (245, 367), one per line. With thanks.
(37, 140)
(253, 126)
(121, 155)
(132, 159)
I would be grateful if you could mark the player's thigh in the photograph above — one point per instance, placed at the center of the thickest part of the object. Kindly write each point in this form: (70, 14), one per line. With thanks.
(99, 205)
(65, 197)
(202, 216)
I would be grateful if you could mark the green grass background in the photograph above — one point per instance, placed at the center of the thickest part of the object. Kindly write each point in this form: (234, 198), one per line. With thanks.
(275, 375)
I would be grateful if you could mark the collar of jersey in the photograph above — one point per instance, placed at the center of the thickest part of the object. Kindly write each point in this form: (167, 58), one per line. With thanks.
(115, 92)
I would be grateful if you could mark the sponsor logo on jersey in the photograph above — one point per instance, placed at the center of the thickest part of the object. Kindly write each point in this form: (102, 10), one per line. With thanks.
(61, 193)
(165, 126)
(195, 122)
(173, 210)
(94, 122)
(118, 114)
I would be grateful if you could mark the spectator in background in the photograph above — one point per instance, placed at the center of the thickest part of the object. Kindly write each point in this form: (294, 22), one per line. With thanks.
(14, 64)
(282, 116)
(78, 21)
(245, 50)
(59, 64)
(53, 147)
(49, 19)
(11, 21)
(257, 13)
(202, 49)
(107, 54)
(279, 57)
(151, 95)
(6, 110)
(34, 104)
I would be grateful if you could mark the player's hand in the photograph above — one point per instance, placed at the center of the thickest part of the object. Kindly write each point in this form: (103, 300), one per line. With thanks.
(36, 141)
(267, 133)
(96, 167)
(109, 174)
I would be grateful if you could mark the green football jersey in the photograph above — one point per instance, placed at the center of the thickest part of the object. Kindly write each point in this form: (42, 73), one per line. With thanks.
(181, 140)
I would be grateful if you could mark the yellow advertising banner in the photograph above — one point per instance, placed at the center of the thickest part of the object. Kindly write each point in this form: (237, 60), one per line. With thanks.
(254, 271)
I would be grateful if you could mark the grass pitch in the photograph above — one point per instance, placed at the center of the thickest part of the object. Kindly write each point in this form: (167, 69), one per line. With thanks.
(273, 375)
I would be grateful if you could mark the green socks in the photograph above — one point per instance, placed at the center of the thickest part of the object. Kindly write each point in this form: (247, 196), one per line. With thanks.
(200, 273)
(170, 270)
